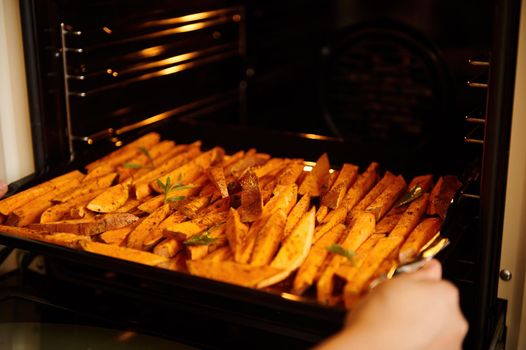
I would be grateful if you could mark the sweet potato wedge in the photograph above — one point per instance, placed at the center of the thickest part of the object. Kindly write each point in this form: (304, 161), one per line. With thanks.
(419, 237)
(90, 226)
(126, 152)
(64, 239)
(285, 200)
(190, 207)
(168, 248)
(31, 212)
(152, 204)
(116, 236)
(231, 272)
(198, 247)
(359, 232)
(187, 229)
(347, 270)
(141, 233)
(101, 182)
(220, 254)
(15, 201)
(144, 159)
(289, 175)
(217, 176)
(377, 190)
(411, 217)
(190, 171)
(130, 205)
(355, 288)
(424, 181)
(141, 182)
(251, 159)
(360, 187)
(321, 213)
(236, 233)
(293, 251)
(296, 214)
(272, 167)
(315, 183)
(247, 247)
(177, 263)
(228, 160)
(381, 205)
(345, 179)
(389, 221)
(111, 199)
(59, 211)
(338, 217)
(251, 202)
(315, 259)
(124, 253)
(268, 239)
(442, 194)
(98, 171)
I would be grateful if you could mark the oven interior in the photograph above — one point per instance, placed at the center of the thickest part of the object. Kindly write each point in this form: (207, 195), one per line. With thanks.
(419, 86)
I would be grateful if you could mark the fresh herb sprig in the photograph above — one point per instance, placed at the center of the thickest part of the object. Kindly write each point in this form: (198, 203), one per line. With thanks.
(339, 250)
(200, 239)
(144, 151)
(168, 187)
(132, 166)
(414, 193)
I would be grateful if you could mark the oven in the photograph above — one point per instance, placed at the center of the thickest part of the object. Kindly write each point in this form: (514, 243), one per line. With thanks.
(418, 86)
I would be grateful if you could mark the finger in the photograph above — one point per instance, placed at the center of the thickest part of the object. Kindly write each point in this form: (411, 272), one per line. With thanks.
(3, 188)
(432, 270)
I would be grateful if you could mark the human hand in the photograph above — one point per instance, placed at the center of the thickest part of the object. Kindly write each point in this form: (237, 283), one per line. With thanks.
(410, 312)
(3, 188)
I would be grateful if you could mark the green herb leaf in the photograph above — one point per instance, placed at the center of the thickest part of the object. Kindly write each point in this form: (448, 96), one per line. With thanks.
(161, 185)
(338, 249)
(181, 187)
(167, 186)
(145, 151)
(201, 239)
(414, 193)
(131, 166)
(175, 198)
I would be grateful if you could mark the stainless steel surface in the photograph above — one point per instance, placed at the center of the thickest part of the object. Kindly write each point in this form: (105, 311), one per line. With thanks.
(505, 275)
(470, 195)
(428, 252)
(63, 32)
(172, 69)
(228, 97)
(475, 120)
(477, 83)
(479, 61)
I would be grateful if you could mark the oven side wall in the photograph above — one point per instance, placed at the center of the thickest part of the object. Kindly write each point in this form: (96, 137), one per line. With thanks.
(16, 152)
(513, 256)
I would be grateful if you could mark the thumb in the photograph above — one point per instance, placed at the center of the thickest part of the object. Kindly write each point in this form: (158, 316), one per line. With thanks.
(3, 188)
(432, 270)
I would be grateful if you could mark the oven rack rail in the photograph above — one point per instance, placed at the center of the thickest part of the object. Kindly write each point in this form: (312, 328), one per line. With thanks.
(142, 56)
(477, 117)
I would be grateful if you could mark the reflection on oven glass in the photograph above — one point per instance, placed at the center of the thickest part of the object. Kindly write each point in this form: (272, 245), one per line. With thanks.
(43, 336)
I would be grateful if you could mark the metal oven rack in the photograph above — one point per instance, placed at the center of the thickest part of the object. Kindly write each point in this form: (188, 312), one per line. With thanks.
(102, 63)
(477, 118)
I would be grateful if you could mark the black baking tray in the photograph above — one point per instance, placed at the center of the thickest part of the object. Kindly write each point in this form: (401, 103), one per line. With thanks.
(279, 314)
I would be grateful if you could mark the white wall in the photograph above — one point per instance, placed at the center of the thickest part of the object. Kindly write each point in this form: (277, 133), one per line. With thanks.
(514, 231)
(16, 153)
